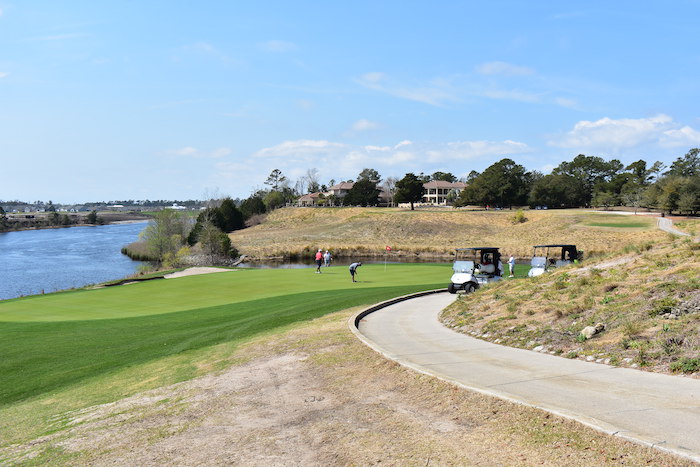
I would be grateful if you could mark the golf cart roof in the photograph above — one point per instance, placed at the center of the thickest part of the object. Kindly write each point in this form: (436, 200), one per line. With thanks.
(484, 248)
(555, 246)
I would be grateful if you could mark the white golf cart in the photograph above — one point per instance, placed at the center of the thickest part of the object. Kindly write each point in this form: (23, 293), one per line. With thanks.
(474, 267)
(547, 257)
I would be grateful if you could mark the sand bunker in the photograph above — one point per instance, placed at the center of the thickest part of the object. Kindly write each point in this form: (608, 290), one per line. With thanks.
(196, 271)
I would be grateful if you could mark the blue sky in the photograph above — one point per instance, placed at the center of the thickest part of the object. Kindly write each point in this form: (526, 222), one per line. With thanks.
(179, 100)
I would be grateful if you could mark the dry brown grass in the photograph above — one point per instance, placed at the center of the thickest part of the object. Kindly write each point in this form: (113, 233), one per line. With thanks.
(315, 395)
(346, 231)
(631, 298)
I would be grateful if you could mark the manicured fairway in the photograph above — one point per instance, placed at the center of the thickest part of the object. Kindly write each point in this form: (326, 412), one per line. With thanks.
(54, 341)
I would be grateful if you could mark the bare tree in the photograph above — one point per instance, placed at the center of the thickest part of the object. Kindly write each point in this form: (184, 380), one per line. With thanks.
(312, 180)
(389, 185)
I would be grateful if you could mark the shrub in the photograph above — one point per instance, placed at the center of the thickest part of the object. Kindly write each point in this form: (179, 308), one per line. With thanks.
(663, 306)
(686, 365)
(518, 217)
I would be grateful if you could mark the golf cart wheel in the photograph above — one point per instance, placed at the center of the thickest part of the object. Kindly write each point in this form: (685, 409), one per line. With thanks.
(451, 288)
(469, 287)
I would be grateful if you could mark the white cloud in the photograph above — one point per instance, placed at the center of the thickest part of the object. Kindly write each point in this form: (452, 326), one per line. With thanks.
(3, 74)
(685, 136)
(364, 125)
(189, 151)
(502, 68)
(403, 143)
(437, 93)
(621, 133)
(278, 46)
(377, 148)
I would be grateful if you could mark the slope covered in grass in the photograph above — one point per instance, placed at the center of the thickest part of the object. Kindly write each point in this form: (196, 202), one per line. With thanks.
(347, 231)
(58, 340)
(647, 297)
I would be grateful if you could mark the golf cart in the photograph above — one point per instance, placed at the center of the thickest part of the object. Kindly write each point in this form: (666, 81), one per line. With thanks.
(546, 257)
(474, 267)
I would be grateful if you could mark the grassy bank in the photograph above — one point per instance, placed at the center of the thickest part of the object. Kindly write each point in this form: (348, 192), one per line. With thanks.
(310, 394)
(366, 231)
(647, 297)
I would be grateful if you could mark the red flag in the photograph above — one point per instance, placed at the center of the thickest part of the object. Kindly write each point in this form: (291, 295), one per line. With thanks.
(388, 248)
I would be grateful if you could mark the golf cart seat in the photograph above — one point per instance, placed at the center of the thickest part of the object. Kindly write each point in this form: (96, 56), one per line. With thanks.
(486, 269)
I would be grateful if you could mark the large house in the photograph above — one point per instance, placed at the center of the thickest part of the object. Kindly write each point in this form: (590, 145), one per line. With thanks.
(438, 192)
(341, 189)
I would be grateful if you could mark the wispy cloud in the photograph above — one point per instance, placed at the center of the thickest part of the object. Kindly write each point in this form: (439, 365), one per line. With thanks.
(58, 37)
(511, 95)
(4, 74)
(365, 125)
(470, 150)
(503, 68)
(435, 93)
(278, 46)
(191, 152)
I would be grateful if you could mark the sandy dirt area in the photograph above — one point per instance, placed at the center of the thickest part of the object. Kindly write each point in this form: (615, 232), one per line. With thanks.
(314, 396)
(195, 271)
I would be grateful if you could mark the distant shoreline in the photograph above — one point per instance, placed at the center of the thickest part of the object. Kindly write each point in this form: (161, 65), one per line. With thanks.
(38, 222)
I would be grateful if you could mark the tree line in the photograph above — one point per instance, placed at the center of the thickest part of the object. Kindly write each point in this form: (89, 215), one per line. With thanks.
(590, 181)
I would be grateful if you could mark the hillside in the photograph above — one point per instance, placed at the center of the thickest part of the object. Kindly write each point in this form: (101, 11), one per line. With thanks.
(647, 297)
(366, 231)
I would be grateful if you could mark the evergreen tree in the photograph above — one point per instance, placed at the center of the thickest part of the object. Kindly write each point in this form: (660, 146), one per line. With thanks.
(409, 190)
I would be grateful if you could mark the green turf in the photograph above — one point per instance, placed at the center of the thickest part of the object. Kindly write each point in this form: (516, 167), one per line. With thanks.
(623, 225)
(53, 341)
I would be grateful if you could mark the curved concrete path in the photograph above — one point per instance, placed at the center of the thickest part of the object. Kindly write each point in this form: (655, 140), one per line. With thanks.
(654, 409)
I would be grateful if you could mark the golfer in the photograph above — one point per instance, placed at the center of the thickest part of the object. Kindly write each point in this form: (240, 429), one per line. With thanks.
(353, 270)
(319, 261)
(327, 258)
(511, 264)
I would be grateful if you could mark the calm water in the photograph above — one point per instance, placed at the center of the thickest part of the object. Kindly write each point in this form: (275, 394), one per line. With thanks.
(58, 259)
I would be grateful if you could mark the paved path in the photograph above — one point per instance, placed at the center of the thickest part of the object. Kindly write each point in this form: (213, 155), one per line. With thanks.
(655, 409)
(666, 225)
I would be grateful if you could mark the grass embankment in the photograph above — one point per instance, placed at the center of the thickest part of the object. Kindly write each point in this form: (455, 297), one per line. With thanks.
(57, 343)
(346, 232)
(647, 297)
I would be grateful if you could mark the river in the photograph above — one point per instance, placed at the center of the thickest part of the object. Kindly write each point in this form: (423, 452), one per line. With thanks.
(36, 261)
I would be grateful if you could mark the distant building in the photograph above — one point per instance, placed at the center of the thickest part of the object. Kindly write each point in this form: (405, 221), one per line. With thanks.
(437, 192)
(340, 190)
(308, 200)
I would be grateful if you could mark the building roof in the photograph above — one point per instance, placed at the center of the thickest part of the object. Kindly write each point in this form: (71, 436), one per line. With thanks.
(310, 197)
(342, 186)
(444, 184)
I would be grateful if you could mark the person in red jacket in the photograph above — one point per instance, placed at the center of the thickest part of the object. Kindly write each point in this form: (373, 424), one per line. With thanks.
(319, 261)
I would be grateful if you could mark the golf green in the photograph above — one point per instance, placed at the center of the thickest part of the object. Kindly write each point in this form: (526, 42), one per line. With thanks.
(57, 340)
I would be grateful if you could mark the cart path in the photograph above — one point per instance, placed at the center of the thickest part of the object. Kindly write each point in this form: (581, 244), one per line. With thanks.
(651, 408)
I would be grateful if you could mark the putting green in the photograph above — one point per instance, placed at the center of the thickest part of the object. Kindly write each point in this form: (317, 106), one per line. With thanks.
(58, 340)
(192, 292)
